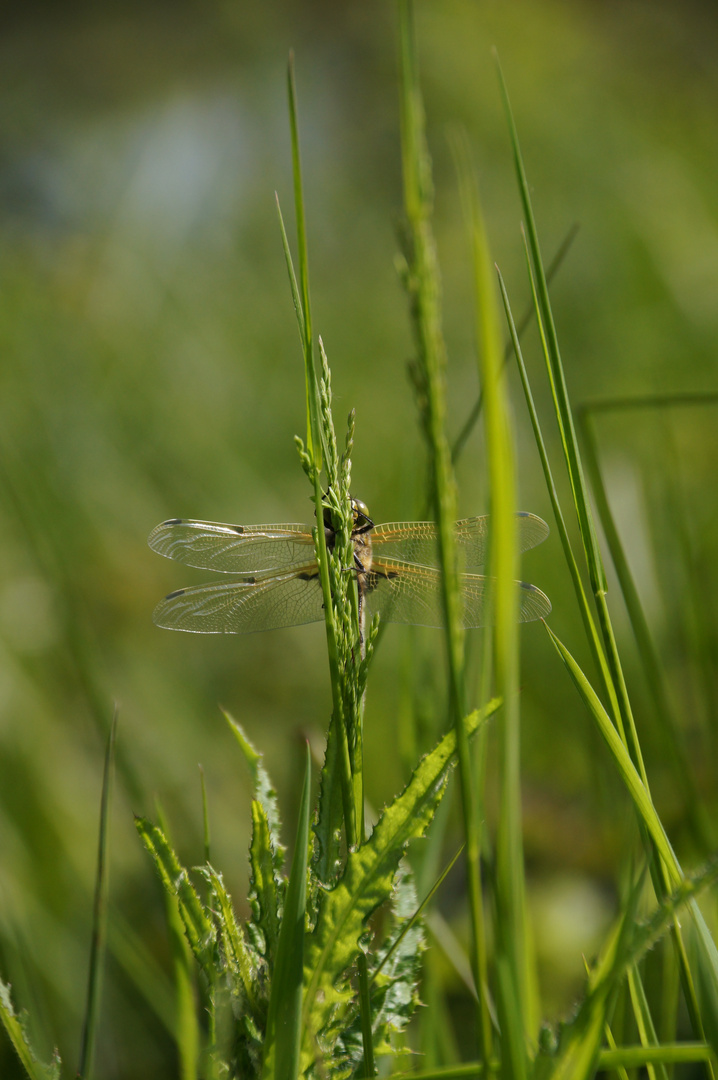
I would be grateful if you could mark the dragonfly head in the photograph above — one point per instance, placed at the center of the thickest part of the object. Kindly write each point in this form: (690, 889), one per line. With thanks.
(362, 521)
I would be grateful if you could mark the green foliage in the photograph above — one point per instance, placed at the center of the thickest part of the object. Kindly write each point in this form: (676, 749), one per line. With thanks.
(242, 964)
(319, 973)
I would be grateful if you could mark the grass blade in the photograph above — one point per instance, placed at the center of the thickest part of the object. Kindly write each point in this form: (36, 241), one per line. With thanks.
(627, 770)
(516, 979)
(655, 677)
(521, 327)
(99, 917)
(284, 1018)
(558, 381)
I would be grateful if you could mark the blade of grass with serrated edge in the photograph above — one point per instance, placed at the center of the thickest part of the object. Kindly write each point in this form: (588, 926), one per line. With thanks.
(367, 882)
(185, 1029)
(284, 1017)
(174, 877)
(99, 917)
(264, 791)
(16, 1033)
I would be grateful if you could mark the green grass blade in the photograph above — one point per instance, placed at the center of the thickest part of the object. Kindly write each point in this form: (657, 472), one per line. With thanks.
(644, 1021)
(521, 327)
(241, 960)
(315, 440)
(413, 919)
(284, 1018)
(99, 918)
(655, 678)
(589, 624)
(517, 1009)
(627, 770)
(205, 817)
(557, 377)
(296, 297)
(143, 970)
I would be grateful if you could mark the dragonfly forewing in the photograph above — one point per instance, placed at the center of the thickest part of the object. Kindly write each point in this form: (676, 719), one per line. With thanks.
(417, 542)
(233, 549)
(244, 607)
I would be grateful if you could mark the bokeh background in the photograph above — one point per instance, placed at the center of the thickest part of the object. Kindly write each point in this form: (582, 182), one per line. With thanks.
(150, 367)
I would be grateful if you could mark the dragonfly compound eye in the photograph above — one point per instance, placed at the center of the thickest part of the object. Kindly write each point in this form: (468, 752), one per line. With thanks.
(361, 514)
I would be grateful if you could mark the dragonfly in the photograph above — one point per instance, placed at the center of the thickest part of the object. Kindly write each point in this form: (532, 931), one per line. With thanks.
(277, 577)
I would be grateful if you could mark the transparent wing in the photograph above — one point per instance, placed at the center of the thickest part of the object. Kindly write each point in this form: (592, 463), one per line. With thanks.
(416, 542)
(405, 593)
(244, 607)
(233, 549)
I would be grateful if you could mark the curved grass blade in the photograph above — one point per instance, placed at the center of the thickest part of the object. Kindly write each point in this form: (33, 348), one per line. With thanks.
(558, 380)
(655, 676)
(627, 770)
(521, 327)
(581, 598)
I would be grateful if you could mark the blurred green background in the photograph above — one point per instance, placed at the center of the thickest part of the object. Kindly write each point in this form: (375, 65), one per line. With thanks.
(150, 367)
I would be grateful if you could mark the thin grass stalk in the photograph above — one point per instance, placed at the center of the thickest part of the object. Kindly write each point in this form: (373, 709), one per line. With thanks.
(564, 417)
(649, 657)
(592, 635)
(314, 444)
(424, 292)
(644, 1021)
(321, 447)
(99, 917)
(521, 327)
